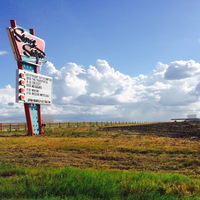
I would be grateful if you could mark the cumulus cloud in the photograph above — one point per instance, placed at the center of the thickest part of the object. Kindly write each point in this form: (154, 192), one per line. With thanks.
(10, 111)
(100, 93)
(182, 69)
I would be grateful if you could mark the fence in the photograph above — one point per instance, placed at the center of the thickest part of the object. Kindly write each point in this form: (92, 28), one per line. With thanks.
(13, 126)
(23, 126)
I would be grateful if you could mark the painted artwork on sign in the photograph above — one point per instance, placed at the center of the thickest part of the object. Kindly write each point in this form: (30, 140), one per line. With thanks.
(33, 88)
(26, 47)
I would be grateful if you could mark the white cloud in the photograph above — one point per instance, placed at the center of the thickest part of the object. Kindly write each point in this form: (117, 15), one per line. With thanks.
(10, 111)
(100, 93)
(3, 53)
(182, 69)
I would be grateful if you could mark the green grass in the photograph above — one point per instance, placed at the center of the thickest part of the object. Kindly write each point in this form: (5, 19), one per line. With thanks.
(71, 183)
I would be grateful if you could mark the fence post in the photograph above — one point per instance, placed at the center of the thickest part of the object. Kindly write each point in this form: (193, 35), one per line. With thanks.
(1, 127)
(10, 127)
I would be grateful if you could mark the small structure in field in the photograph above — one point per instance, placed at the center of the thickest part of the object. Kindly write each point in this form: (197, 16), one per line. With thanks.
(47, 119)
(190, 118)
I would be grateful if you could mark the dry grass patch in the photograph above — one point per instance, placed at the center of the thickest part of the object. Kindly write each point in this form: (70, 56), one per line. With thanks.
(87, 148)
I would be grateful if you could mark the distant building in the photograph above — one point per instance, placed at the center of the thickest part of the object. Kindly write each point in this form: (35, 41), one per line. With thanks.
(47, 119)
(194, 116)
(190, 118)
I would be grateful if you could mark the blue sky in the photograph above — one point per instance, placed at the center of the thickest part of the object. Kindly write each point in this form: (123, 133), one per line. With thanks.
(131, 36)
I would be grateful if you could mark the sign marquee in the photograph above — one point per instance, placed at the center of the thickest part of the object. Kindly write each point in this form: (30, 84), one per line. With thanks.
(33, 88)
(26, 47)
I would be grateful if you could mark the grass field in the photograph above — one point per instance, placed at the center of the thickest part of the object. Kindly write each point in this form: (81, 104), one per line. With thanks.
(97, 163)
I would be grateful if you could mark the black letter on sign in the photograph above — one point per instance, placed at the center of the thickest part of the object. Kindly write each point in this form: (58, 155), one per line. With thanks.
(18, 37)
(27, 52)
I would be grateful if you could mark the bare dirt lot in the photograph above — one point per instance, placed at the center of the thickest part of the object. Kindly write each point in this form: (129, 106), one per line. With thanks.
(189, 130)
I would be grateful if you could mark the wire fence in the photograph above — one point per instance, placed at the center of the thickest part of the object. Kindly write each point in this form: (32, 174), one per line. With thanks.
(23, 126)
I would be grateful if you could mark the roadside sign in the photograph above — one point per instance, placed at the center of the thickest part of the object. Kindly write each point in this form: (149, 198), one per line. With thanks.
(32, 89)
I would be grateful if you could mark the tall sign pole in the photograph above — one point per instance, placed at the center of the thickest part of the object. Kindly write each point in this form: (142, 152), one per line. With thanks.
(32, 89)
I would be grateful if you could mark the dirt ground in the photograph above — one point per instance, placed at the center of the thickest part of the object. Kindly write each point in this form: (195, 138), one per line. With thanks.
(189, 130)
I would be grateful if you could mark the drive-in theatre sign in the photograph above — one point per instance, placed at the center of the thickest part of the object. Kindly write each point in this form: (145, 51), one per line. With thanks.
(32, 89)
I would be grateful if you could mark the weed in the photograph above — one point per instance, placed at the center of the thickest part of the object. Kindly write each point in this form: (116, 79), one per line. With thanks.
(76, 134)
(93, 133)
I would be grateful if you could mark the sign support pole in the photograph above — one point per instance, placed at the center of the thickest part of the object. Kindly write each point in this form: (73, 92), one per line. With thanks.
(32, 111)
